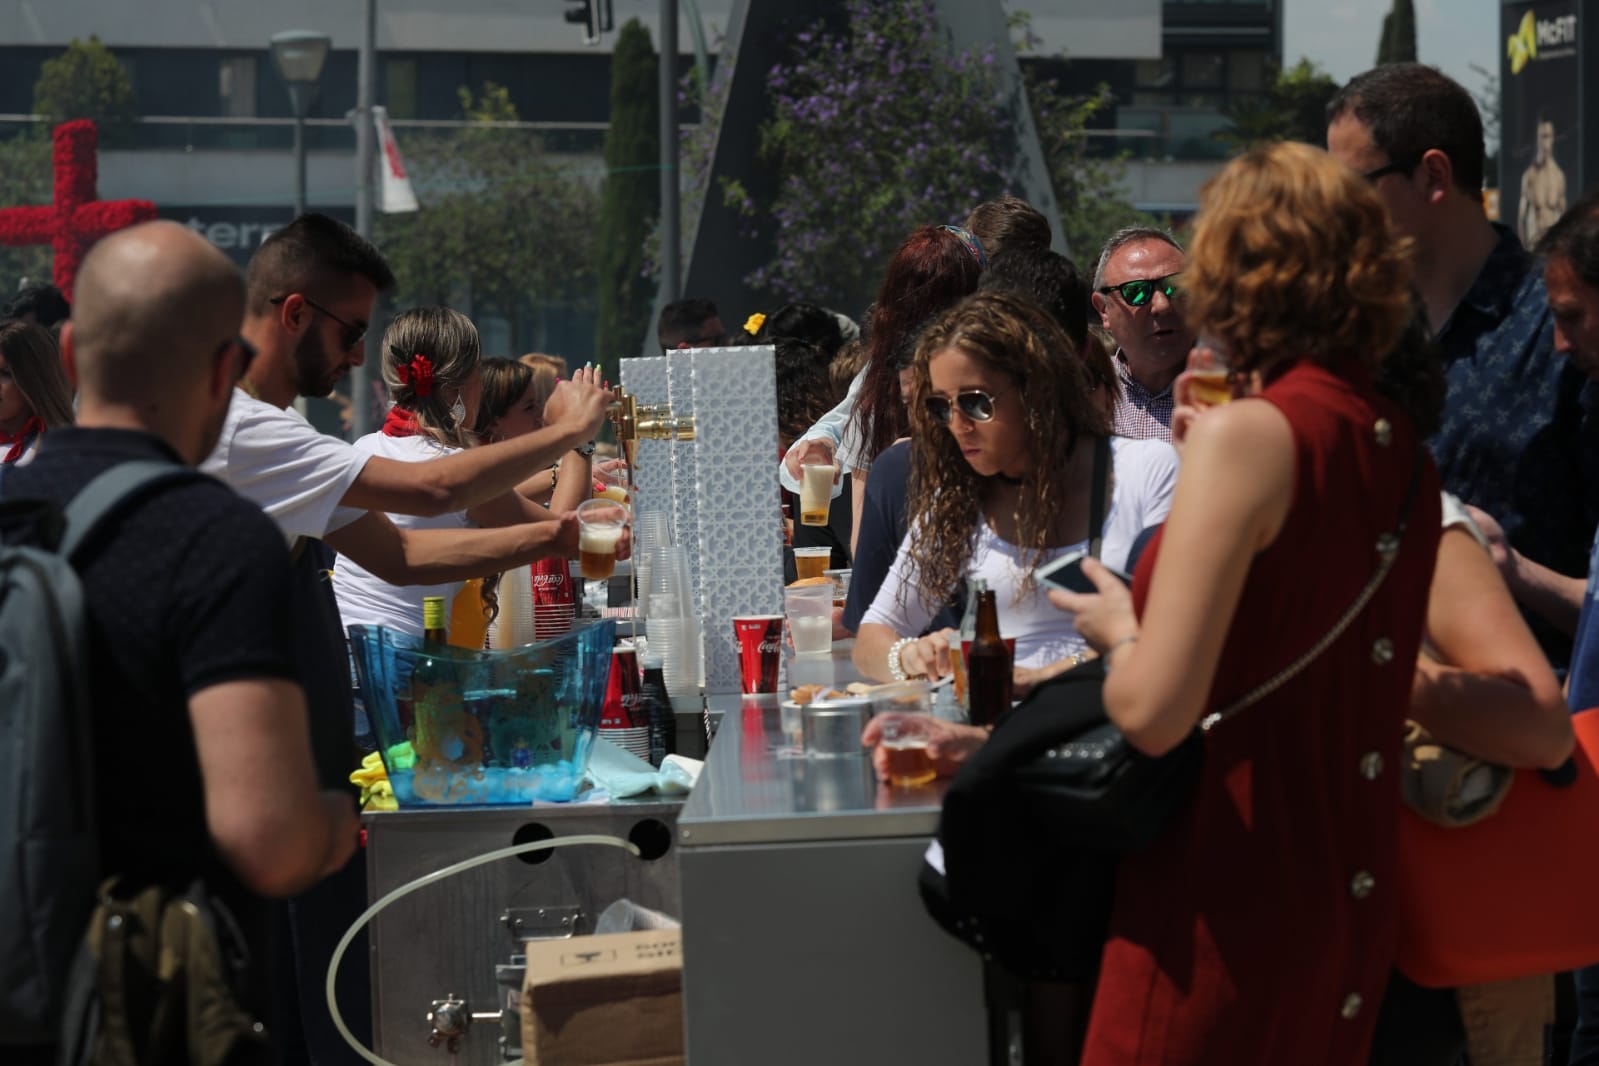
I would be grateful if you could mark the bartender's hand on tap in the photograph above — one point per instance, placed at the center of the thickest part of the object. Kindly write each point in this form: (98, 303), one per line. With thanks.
(815, 452)
(579, 404)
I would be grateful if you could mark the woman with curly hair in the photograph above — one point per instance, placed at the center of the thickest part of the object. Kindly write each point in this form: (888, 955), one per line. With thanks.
(1260, 928)
(431, 363)
(1005, 426)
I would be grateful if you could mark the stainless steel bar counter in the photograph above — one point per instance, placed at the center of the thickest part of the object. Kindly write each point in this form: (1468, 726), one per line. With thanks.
(804, 938)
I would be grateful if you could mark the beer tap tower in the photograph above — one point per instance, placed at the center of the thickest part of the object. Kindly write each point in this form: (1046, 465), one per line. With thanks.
(719, 485)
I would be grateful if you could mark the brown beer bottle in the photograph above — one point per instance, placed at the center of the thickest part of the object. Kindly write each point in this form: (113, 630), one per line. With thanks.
(988, 665)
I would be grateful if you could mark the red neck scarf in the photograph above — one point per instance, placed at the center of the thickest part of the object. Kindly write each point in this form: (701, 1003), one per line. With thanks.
(19, 439)
(401, 423)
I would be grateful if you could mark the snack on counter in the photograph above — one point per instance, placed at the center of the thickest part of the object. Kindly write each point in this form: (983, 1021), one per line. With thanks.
(809, 582)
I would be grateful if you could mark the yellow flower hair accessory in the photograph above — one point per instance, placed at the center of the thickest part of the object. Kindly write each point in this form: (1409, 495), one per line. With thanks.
(753, 324)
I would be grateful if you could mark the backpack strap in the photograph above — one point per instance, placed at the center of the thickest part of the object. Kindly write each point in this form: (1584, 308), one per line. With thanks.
(107, 493)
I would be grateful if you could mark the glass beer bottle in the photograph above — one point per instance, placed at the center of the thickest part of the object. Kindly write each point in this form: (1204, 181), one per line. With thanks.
(988, 665)
(968, 633)
(434, 627)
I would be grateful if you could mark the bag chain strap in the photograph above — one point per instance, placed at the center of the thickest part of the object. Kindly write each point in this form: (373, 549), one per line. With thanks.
(1387, 554)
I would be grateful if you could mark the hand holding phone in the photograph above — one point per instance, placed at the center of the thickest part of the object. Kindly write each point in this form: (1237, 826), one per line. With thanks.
(1066, 573)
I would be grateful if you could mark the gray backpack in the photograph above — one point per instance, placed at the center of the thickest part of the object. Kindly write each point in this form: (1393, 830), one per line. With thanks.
(49, 855)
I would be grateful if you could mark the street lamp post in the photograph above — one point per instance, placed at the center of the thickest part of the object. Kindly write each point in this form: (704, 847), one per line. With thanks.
(298, 56)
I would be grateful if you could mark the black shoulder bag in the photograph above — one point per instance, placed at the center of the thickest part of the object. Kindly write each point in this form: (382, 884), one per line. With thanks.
(1033, 823)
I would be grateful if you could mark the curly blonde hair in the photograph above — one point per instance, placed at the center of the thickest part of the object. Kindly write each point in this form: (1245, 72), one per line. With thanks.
(1293, 256)
(945, 503)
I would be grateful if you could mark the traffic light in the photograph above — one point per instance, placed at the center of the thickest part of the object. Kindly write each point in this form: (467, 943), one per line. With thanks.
(593, 15)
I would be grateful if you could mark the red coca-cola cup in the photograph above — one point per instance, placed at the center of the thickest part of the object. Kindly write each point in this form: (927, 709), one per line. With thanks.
(552, 583)
(760, 651)
(554, 599)
(623, 706)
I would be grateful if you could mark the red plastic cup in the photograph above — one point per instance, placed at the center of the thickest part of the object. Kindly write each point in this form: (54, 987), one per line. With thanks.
(623, 707)
(760, 651)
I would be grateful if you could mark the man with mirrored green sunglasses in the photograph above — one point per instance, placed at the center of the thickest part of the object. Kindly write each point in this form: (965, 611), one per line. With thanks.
(1138, 296)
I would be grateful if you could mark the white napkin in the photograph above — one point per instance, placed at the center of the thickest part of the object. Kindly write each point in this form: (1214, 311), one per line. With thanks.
(621, 773)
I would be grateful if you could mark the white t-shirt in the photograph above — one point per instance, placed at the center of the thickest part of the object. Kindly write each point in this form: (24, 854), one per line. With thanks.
(1145, 476)
(291, 470)
(365, 599)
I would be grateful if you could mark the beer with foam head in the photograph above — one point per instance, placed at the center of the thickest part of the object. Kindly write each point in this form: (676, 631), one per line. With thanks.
(596, 552)
(816, 493)
(600, 525)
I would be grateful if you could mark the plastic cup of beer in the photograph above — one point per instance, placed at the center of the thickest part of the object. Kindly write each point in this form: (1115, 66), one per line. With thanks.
(611, 484)
(1209, 377)
(811, 562)
(816, 492)
(904, 746)
(600, 524)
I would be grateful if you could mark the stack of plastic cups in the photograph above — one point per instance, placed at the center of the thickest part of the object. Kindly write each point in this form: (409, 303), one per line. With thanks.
(673, 624)
(514, 627)
(651, 529)
(554, 598)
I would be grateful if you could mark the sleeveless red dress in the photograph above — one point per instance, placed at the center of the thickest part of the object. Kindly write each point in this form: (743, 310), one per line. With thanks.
(1260, 928)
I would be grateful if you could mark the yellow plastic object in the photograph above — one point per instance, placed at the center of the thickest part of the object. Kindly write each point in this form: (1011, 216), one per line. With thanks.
(469, 628)
(376, 793)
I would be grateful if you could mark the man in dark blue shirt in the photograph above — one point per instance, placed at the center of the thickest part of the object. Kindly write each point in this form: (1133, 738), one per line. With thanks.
(1516, 440)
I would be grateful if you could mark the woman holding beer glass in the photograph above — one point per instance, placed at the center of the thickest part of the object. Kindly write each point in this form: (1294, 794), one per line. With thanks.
(431, 363)
(1261, 927)
(1005, 425)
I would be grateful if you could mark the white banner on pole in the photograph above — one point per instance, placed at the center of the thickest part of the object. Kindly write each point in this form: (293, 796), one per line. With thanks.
(395, 195)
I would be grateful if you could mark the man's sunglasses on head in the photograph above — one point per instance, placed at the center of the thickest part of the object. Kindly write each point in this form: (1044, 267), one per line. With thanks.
(1140, 291)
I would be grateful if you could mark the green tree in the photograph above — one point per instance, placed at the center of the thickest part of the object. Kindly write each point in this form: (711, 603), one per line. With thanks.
(1293, 109)
(1088, 188)
(1398, 42)
(87, 81)
(25, 180)
(876, 126)
(500, 225)
(630, 199)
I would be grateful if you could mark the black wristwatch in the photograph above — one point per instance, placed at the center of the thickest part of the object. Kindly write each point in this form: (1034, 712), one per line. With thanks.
(585, 450)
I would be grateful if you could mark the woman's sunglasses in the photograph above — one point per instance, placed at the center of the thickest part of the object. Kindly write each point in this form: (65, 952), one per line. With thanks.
(1140, 291)
(975, 404)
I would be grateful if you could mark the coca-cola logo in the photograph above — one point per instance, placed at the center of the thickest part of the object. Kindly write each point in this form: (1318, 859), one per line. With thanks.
(770, 646)
(547, 581)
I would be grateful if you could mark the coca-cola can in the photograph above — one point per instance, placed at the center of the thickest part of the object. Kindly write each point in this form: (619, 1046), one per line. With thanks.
(760, 651)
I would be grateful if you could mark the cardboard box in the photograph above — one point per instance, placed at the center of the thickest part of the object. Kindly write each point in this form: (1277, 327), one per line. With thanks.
(614, 1000)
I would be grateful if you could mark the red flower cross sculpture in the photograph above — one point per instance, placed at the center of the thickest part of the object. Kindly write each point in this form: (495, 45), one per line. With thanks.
(76, 219)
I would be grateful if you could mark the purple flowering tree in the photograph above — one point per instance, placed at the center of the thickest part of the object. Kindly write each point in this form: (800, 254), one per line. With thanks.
(874, 131)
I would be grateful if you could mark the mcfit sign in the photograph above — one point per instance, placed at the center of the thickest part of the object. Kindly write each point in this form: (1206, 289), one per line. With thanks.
(1546, 158)
(1555, 37)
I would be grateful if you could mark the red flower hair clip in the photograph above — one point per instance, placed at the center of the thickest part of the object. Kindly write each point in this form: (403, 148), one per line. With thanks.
(418, 374)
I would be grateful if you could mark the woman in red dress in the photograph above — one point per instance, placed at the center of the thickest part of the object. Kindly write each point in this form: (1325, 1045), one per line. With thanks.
(1261, 927)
